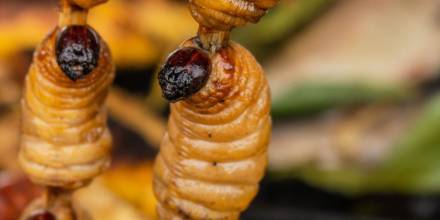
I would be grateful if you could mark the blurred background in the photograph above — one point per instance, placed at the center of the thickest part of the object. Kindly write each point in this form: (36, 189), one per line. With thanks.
(356, 105)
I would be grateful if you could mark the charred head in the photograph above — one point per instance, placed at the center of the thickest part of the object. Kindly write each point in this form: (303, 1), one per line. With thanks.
(184, 73)
(77, 50)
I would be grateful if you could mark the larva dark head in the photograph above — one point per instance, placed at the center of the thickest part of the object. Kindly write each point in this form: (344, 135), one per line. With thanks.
(44, 215)
(77, 50)
(184, 73)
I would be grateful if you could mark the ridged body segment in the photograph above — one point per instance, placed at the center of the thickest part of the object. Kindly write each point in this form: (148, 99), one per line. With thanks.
(65, 141)
(227, 14)
(214, 152)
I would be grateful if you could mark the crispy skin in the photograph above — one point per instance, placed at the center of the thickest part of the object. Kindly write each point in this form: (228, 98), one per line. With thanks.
(65, 140)
(214, 152)
(227, 14)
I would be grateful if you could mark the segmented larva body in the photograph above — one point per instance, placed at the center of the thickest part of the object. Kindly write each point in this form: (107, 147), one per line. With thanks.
(65, 141)
(227, 14)
(214, 152)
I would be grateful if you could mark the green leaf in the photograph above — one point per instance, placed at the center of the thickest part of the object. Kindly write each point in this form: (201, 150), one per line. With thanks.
(415, 164)
(310, 98)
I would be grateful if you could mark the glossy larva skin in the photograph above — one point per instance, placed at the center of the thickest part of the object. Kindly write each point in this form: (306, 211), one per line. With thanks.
(227, 14)
(214, 152)
(65, 141)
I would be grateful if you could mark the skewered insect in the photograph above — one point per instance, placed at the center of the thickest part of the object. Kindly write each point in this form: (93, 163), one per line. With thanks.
(65, 140)
(214, 153)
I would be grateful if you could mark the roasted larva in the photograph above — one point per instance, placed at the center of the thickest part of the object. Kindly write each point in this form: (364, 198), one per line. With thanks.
(65, 141)
(214, 152)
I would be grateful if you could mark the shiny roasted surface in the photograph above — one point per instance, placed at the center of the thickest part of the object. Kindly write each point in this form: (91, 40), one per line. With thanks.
(214, 153)
(227, 14)
(65, 140)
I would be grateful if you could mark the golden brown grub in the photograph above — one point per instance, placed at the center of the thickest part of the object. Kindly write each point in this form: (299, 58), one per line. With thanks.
(227, 14)
(214, 153)
(215, 150)
(65, 139)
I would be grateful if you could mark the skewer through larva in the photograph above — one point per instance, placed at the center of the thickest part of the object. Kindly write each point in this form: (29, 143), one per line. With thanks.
(214, 152)
(65, 141)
